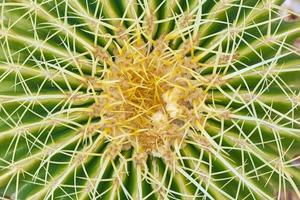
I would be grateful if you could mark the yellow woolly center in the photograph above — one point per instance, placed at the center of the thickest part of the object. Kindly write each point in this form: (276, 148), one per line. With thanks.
(150, 99)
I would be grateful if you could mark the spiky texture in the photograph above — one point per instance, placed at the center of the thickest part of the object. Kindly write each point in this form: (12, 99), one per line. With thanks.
(149, 99)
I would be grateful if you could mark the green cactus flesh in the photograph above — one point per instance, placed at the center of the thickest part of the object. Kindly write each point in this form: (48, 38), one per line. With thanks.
(149, 99)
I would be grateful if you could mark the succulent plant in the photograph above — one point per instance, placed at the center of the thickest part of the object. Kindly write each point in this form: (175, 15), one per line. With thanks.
(149, 99)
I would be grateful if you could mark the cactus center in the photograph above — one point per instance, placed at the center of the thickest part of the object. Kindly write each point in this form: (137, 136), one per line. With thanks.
(149, 98)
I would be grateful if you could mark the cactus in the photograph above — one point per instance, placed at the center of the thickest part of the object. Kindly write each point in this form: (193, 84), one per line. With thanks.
(149, 99)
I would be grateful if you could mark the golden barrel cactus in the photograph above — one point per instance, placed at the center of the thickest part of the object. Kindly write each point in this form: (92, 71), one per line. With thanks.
(149, 99)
